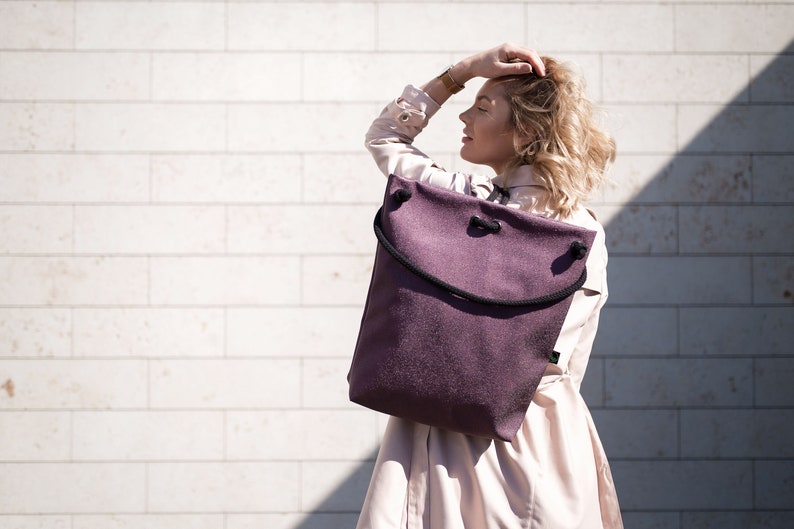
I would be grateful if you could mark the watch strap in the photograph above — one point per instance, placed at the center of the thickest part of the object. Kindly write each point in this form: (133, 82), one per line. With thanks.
(449, 83)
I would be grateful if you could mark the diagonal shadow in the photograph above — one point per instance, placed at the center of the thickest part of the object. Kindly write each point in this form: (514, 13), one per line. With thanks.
(732, 174)
(700, 276)
(339, 510)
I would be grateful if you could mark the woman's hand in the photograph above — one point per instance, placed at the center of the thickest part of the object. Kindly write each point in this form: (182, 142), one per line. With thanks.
(507, 59)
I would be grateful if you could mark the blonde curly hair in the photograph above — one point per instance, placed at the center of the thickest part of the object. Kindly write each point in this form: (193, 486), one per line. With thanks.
(557, 133)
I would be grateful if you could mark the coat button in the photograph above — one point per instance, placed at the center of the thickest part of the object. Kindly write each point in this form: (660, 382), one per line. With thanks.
(405, 116)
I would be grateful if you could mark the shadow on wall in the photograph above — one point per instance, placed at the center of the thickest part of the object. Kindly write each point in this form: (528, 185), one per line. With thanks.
(695, 344)
(340, 509)
(690, 378)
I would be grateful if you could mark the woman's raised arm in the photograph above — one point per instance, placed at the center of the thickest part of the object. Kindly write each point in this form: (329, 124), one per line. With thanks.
(507, 59)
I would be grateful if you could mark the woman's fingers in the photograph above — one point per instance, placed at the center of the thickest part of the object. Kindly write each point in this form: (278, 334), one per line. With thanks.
(507, 59)
(518, 55)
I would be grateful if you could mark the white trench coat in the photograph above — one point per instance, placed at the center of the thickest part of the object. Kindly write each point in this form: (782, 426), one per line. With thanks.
(554, 474)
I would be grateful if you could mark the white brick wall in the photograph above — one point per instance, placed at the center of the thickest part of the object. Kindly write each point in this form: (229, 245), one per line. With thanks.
(185, 249)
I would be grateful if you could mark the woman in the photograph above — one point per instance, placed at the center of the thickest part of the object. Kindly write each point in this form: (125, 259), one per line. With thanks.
(531, 124)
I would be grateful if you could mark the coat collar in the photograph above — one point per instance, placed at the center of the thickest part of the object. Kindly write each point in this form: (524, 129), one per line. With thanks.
(520, 176)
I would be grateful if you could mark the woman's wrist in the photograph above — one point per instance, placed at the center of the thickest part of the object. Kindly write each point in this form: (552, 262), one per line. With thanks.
(461, 72)
(450, 82)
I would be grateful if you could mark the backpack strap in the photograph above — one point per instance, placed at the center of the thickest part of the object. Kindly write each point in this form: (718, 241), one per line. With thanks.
(499, 194)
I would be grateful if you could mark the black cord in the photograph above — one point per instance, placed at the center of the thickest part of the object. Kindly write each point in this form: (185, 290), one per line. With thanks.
(410, 265)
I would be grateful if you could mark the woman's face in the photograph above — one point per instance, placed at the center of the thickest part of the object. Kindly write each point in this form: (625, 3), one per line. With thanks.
(488, 131)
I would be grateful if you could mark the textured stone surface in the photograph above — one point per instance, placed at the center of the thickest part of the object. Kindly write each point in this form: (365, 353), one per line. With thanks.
(186, 246)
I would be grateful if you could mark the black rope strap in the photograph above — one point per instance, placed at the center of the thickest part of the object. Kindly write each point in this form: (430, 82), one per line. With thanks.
(410, 265)
(491, 225)
(499, 194)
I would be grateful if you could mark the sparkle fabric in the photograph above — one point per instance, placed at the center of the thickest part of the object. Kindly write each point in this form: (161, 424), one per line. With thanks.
(554, 474)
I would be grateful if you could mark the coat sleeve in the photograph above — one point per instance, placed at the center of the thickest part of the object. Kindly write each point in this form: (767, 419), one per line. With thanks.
(390, 141)
(578, 333)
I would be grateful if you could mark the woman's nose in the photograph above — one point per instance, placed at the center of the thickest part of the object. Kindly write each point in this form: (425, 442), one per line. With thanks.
(463, 115)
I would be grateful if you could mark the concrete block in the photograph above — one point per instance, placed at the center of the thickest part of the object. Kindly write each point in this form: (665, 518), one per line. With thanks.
(365, 79)
(72, 280)
(74, 76)
(150, 25)
(773, 385)
(292, 332)
(737, 520)
(773, 488)
(772, 78)
(226, 77)
(342, 179)
(679, 280)
(35, 229)
(147, 436)
(147, 521)
(325, 383)
(737, 434)
(336, 280)
(629, 125)
(676, 78)
(773, 178)
(148, 332)
(695, 30)
(37, 126)
(315, 520)
(592, 389)
(334, 486)
(36, 25)
(683, 485)
(301, 435)
(773, 280)
(228, 383)
(607, 28)
(734, 129)
(638, 434)
(149, 229)
(57, 488)
(678, 382)
(225, 280)
(34, 436)
(73, 178)
(305, 230)
(736, 331)
(637, 331)
(640, 229)
(735, 229)
(225, 178)
(325, 26)
(154, 127)
(72, 384)
(685, 178)
(223, 487)
(39, 521)
(260, 127)
(399, 28)
(35, 332)
(651, 520)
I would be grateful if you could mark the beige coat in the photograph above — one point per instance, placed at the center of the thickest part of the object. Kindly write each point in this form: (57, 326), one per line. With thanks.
(554, 474)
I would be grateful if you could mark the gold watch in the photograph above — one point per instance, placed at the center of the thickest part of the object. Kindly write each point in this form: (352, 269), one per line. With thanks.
(450, 83)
